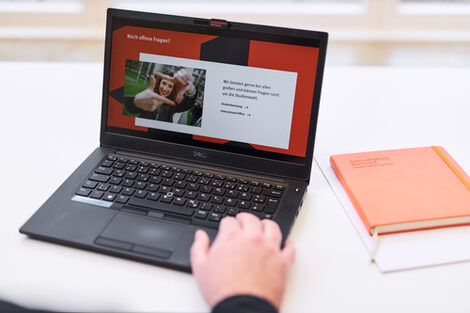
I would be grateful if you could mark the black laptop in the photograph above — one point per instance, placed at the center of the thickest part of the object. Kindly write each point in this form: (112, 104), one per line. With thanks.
(201, 119)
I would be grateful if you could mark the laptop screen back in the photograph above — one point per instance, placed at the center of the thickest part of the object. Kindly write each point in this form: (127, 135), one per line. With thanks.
(241, 91)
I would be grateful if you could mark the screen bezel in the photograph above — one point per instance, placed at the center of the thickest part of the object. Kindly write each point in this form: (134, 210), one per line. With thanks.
(282, 166)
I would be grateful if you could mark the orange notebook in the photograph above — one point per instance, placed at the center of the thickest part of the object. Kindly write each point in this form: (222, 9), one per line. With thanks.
(405, 189)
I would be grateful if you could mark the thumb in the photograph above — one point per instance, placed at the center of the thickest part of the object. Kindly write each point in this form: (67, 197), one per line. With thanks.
(200, 248)
(153, 83)
(289, 252)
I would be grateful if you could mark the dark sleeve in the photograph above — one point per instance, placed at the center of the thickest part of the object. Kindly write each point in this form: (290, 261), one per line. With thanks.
(244, 304)
(186, 103)
(12, 308)
(130, 106)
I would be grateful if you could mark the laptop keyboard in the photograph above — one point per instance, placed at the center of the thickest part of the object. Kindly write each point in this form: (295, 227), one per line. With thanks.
(163, 190)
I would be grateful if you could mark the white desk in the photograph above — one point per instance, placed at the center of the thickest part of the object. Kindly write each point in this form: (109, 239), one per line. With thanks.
(50, 123)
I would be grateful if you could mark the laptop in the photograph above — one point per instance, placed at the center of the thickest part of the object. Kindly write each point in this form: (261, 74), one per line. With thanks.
(201, 119)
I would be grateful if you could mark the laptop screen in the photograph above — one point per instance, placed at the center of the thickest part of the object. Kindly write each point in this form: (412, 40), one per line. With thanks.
(238, 91)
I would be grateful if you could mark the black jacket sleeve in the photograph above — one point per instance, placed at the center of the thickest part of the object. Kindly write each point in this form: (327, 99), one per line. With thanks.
(244, 304)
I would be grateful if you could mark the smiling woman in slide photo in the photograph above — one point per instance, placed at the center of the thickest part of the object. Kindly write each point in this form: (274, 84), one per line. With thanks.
(167, 94)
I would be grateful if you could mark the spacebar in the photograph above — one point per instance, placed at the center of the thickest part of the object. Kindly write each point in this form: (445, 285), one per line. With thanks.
(154, 205)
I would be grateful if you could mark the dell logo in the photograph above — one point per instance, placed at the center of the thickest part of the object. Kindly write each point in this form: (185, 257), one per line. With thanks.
(199, 155)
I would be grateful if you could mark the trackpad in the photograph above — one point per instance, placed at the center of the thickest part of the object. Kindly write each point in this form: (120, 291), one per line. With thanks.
(144, 236)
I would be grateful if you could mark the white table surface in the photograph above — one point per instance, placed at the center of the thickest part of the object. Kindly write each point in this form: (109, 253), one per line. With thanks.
(50, 123)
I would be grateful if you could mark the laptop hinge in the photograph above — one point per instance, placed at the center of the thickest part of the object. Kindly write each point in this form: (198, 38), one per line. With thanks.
(198, 165)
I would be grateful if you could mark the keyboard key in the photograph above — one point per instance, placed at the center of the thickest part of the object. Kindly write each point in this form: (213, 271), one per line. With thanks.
(96, 194)
(178, 192)
(153, 187)
(206, 189)
(271, 205)
(168, 182)
(90, 184)
(201, 214)
(111, 158)
(244, 205)
(204, 181)
(155, 180)
(130, 168)
(127, 183)
(153, 196)
(167, 174)
(119, 165)
(258, 207)
(243, 181)
(230, 185)
(179, 176)
(123, 160)
(103, 187)
(220, 209)
(165, 189)
(194, 204)
(230, 202)
(140, 185)
(272, 193)
(208, 175)
(217, 199)
(154, 172)
(140, 194)
(206, 206)
(191, 179)
(166, 198)
(104, 170)
(186, 171)
(193, 186)
(83, 192)
(204, 197)
(115, 180)
(279, 187)
(232, 194)
(181, 184)
(143, 163)
(266, 185)
(243, 188)
(256, 190)
(245, 196)
(128, 191)
(122, 199)
(143, 177)
(219, 191)
(165, 167)
(107, 163)
(179, 201)
(216, 217)
(259, 199)
(99, 177)
(217, 183)
(175, 169)
(119, 173)
(115, 189)
(232, 212)
(254, 183)
(109, 197)
(131, 175)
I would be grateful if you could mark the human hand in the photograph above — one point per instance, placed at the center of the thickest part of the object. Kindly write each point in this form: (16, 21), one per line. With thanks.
(149, 100)
(245, 258)
(182, 81)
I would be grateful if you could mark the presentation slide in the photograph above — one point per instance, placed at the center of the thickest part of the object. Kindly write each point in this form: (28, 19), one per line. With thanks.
(240, 103)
